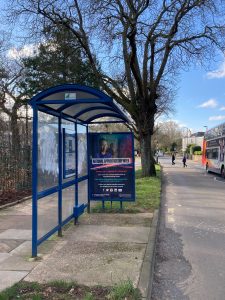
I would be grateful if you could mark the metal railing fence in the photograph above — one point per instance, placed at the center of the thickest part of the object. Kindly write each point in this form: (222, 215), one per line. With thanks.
(15, 169)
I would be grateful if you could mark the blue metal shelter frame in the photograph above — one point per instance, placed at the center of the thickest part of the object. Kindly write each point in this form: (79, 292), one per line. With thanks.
(79, 105)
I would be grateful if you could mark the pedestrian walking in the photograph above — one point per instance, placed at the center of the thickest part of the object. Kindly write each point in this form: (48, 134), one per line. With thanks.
(173, 159)
(184, 161)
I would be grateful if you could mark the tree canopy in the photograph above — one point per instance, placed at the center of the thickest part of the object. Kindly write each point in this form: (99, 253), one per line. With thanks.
(57, 60)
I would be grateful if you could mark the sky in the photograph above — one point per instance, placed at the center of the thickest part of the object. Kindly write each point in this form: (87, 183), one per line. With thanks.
(200, 99)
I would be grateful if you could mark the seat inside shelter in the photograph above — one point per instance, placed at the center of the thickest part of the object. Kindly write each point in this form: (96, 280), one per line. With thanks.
(61, 119)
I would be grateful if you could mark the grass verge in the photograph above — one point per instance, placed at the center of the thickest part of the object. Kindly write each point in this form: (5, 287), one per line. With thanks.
(147, 196)
(60, 290)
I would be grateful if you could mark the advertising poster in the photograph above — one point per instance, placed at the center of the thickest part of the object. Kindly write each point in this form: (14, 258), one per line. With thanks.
(111, 166)
(68, 153)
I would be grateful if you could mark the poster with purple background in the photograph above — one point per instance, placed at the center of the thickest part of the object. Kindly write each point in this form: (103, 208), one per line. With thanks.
(111, 167)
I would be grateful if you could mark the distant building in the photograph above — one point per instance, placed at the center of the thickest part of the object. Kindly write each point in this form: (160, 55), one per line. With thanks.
(195, 138)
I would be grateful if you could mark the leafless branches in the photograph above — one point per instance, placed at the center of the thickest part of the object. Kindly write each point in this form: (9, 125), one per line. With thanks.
(146, 42)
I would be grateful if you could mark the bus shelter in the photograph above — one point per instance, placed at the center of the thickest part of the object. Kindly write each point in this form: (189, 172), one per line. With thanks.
(60, 174)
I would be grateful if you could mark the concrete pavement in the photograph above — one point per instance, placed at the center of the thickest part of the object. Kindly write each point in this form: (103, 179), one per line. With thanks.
(102, 249)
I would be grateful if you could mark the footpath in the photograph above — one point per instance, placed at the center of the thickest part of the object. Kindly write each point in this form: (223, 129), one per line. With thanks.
(103, 249)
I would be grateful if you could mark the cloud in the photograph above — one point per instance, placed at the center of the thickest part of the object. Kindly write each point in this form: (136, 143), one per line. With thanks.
(211, 103)
(222, 108)
(219, 73)
(180, 124)
(216, 118)
(25, 51)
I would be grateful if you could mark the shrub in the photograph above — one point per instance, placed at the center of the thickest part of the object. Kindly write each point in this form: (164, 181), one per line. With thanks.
(196, 148)
(198, 153)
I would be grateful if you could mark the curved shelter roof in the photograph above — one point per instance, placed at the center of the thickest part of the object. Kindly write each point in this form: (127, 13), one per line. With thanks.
(79, 102)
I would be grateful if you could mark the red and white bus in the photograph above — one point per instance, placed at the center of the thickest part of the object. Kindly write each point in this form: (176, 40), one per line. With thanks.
(214, 150)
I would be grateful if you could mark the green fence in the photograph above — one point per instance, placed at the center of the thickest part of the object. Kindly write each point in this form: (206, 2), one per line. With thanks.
(15, 172)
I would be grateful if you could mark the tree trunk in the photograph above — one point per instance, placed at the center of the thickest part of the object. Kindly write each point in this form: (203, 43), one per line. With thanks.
(15, 134)
(145, 125)
(147, 159)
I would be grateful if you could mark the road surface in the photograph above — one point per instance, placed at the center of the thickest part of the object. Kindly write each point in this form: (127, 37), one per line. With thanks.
(190, 257)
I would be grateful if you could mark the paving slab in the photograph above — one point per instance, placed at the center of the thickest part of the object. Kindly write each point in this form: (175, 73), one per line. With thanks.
(19, 209)
(9, 245)
(8, 278)
(21, 221)
(16, 234)
(91, 263)
(137, 234)
(22, 249)
(4, 256)
(139, 219)
(17, 263)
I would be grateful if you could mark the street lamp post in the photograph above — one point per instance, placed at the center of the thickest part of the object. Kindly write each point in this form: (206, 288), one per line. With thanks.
(186, 138)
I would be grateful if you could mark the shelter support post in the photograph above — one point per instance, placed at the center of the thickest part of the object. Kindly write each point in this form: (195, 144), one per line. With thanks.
(34, 181)
(76, 171)
(60, 177)
(88, 161)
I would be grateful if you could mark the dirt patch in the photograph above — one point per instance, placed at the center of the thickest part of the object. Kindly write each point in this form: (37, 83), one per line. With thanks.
(50, 292)
(66, 291)
(11, 196)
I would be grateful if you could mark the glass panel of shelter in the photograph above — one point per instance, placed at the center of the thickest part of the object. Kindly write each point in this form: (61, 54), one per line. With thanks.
(92, 113)
(47, 214)
(67, 126)
(77, 108)
(82, 150)
(48, 172)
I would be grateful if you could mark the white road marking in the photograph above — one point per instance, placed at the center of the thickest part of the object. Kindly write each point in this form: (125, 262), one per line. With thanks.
(219, 180)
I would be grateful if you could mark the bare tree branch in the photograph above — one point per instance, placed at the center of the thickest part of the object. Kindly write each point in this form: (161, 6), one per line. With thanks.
(145, 43)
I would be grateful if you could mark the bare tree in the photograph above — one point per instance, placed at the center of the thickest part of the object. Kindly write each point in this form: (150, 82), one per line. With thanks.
(141, 45)
(11, 99)
(168, 134)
